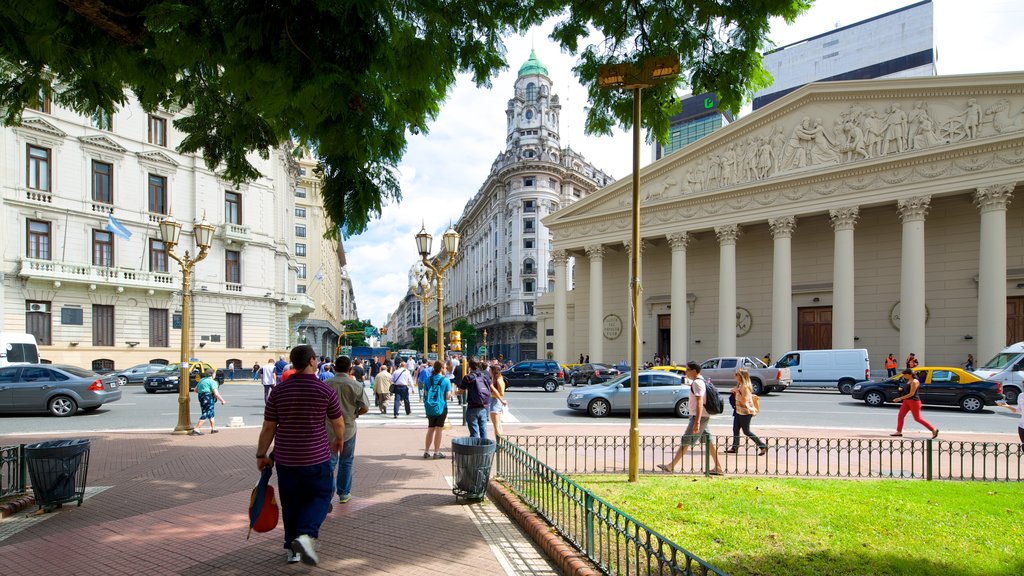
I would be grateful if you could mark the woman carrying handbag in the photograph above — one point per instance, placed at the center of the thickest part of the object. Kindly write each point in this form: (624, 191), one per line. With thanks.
(745, 406)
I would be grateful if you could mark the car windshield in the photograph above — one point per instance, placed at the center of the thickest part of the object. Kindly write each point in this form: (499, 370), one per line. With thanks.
(1002, 360)
(79, 372)
(169, 369)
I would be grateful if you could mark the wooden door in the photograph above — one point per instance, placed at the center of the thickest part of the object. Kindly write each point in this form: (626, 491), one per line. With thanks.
(814, 328)
(1014, 319)
(665, 336)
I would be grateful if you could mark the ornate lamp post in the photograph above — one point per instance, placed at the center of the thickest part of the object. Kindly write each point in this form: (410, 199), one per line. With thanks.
(423, 288)
(451, 246)
(649, 72)
(202, 231)
(487, 351)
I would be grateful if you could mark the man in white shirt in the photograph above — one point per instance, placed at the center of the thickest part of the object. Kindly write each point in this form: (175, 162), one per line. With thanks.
(402, 380)
(699, 419)
(268, 377)
(1018, 410)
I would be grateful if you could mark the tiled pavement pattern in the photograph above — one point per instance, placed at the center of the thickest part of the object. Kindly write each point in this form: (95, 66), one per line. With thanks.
(177, 505)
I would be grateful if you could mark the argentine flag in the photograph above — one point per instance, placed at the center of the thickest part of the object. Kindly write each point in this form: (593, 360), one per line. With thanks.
(117, 229)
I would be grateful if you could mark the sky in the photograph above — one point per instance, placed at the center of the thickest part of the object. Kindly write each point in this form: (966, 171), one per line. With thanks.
(445, 168)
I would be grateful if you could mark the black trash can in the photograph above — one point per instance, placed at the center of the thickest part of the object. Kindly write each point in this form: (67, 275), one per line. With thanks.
(57, 470)
(471, 466)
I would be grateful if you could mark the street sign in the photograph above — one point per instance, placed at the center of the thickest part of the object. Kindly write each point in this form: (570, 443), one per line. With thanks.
(432, 356)
(482, 352)
(346, 351)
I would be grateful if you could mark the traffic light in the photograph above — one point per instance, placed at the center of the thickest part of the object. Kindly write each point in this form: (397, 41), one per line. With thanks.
(433, 348)
(455, 340)
(384, 330)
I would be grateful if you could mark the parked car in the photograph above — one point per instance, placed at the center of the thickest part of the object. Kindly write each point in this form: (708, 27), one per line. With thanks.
(137, 374)
(167, 378)
(1006, 368)
(840, 369)
(660, 391)
(544, 373)
(940, 385)
(763, 379)
(55, 388)
(592, 374)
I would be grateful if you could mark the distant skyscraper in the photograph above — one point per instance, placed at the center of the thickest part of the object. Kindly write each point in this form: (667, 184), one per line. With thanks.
(896, 44)
(699, 117)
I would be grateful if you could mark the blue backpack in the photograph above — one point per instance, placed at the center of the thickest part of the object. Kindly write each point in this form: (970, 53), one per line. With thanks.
(433, 399)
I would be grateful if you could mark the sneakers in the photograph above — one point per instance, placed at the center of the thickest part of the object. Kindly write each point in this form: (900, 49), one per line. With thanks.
(342, 498)
(305, 547)
(426, 455)
(195, 433)
(293, 557)
(438, 456)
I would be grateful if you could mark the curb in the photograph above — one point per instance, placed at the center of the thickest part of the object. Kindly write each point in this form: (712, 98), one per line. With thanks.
(567, 558)
(12, 507)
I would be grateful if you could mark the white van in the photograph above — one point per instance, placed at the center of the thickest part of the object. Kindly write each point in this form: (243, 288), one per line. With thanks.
(827, 368)
(1007, 367)
(18, 348)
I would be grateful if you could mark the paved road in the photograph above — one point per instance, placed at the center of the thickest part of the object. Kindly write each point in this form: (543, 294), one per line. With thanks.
(802, 409)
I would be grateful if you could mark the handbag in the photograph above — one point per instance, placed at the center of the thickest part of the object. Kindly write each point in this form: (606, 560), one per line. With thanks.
(757, 404)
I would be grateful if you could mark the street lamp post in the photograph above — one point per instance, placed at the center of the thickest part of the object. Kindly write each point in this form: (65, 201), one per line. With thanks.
(487, 352)
(649, 72)
(170, 230)
(422, 288)
(451, 246)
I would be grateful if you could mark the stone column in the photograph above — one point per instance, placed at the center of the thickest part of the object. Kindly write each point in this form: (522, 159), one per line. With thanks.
(727, 236)
(561, 337)
(912, 293)
(843, 221)
(992, 202)
(595, 327)
(782, 285)
(679, 346)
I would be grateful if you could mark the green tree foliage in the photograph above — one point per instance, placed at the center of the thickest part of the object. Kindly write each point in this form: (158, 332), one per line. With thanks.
(357, 326)
(417, 338)
(469, 336)
(351, 80)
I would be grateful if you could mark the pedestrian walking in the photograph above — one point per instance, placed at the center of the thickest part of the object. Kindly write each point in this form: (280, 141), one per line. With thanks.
(910, 402)
(745, 405)
(294, 422)
(698, 424)
(208, 398)
(350, 396)
(1018, 410)
(231, 370)
(382, 387)
(477, 388)
(498, 404)
(255, 371)
(436, 393)
(969, 365)
(890, 365)
(402, 381)
(421, 377)
(269, 378)
(457, 374)
(279, 367)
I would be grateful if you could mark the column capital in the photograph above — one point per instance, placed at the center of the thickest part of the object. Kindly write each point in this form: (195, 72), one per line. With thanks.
(844, 218)
(595, 251)
(559, 257)
(994, 197)
(678, 240)
(913, 209)
(629, 246)
(782, 227)
(727, 234)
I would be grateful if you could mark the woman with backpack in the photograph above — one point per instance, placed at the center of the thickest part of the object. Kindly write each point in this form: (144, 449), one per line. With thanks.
(744, 407)
(436, 393)
(498, 403)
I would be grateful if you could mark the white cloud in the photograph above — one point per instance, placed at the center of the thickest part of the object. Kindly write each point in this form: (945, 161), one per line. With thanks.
(442, 170)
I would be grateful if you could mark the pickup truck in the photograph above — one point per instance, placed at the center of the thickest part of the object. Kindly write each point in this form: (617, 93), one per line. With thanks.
(722, 373)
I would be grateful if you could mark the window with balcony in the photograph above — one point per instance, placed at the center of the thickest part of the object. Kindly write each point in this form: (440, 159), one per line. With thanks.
(234, 330)
(38, 321)
(38, 168)
(528, 286)
(233, 208)
(157, 194)
(102, 325)
(101, 120)
(300, 212)
(528, 226)
(102, 182)
(529, 206)
(300, 272)
(158, 333)
(102, 248)
(528, 308)
(157, 256)
(157, 130)
(233, 266)
(300, 230)
(528, 266)
(38, 239)
(300, 249)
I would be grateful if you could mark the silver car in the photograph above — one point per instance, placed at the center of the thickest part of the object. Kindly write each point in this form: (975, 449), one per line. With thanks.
(55, 388)
(138, 374)
(659, 391)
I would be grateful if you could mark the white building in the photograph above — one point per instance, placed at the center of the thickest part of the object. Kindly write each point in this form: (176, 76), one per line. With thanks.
(897, 44)
(95, 299)
(504, 260)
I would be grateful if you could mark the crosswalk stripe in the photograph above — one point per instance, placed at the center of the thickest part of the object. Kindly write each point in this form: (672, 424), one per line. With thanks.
(418, 416)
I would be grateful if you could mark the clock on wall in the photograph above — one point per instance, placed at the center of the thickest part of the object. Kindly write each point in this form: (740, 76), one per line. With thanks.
(894, 315)
(744, 321)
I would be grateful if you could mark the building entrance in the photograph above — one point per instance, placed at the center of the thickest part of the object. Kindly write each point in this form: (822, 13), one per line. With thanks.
(814, 328)
(665, 337)
(1014, 319)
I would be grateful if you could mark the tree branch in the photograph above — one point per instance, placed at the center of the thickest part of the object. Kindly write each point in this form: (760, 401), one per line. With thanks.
(119, 25)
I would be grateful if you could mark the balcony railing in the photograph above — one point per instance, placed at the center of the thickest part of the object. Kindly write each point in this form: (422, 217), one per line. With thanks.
(299, 304)
(87, 274)
(234, 233)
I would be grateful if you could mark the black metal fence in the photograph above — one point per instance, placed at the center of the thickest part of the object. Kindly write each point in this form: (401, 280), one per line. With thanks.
(787, 456)
(13, 470)
(612, 539)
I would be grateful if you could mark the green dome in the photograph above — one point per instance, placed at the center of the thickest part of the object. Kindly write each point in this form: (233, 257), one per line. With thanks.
(533, 66)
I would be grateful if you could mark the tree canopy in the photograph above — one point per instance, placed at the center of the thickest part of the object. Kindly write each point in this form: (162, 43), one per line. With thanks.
(351, 80)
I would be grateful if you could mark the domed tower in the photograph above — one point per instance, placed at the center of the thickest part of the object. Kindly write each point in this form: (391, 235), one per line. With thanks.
(532, 114)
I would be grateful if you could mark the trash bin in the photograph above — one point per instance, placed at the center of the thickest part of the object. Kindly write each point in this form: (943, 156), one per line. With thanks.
(471, 466)
(57, 470)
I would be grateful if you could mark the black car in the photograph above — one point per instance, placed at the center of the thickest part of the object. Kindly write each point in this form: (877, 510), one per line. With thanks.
(941, 385)
(543, 373)
(165, 380)
(593, 374)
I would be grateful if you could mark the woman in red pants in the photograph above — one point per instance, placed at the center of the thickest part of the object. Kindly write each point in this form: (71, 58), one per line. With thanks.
(911, 402)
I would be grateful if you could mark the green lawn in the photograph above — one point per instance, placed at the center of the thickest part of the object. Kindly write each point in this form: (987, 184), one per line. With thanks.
(794, 527)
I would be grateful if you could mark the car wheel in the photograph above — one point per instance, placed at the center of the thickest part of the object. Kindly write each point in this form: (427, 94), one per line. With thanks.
(599, 408)
(846, 386)
(874, 398)
(1011, 395)
(681, 409)
(971, 404)
(756, 386)
(550, 385)
(62, 406)
(122, 380)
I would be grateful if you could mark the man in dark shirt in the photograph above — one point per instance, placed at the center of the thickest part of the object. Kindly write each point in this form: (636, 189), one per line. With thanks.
(457, 373)
(294, 422)
(477, 385)
(279, 368)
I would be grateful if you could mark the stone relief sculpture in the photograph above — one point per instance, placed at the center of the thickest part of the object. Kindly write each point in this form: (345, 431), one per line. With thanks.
(1002, 120)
